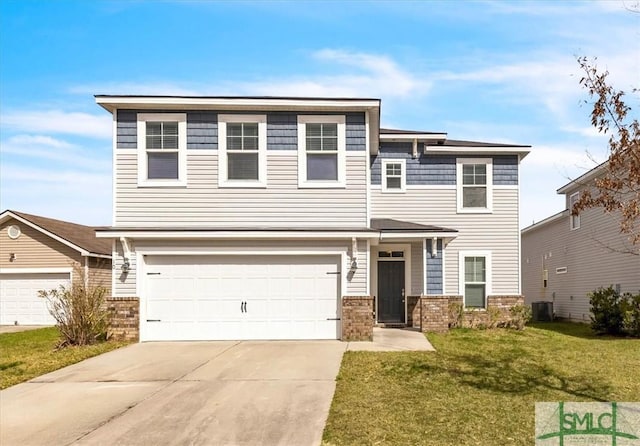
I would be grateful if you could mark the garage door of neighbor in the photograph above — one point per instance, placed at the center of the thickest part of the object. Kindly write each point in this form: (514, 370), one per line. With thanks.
(19, 301)
(240, 297)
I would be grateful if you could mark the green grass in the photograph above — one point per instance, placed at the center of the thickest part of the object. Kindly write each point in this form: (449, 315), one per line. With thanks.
(479, 388)
(28, 354)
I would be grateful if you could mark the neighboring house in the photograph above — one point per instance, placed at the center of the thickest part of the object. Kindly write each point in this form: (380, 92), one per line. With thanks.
(38, 253)
(300, 218)
(565, 257)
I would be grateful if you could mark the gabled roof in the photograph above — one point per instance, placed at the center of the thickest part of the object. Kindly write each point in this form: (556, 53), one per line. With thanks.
(460, 143)
(79, 237)
(391, 225)
(583, 179)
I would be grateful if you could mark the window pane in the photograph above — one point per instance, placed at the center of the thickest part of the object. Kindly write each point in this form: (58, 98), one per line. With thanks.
(250, 129)
(250, 143)
(234, 143)
(474, 197)
(170, 142)
(314, 130)
(234, 129)
(314, 143)
(322, 167)
(170, 128)
(162, 166)
(474, 174)
(242, 166)
(394, 169)
(330, 143)
(154, 142)
(154, 128)
(394, 183)
(474, 296)
(330, 130)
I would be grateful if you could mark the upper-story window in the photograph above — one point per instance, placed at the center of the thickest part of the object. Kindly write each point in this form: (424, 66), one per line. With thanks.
(474, 184)
(162, 146)
(393, 175)
(321, 151)
(242, 144)
(575, 219)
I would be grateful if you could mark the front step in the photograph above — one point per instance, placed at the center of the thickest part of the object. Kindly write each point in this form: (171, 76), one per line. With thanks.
(391, 325)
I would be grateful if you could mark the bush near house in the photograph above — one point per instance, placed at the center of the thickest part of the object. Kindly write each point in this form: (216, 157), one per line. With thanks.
(614, 313)
(79, 310)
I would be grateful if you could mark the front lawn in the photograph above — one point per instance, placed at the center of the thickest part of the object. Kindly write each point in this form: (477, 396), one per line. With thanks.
(479, 388)
(28, 354)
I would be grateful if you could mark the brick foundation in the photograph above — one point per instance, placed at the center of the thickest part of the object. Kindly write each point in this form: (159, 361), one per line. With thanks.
(413, 311)
(124, 318)
(357, 318)
(435, 315)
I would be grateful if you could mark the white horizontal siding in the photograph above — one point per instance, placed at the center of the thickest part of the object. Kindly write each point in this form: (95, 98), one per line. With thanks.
(202, 203)
(124, 284)
(497, 232)
(592, 254)
(417, 269)
(356, 279)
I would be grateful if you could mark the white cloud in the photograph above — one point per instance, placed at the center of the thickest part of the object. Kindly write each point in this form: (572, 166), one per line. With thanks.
(43, 148)
(68, 194)
(58, 122)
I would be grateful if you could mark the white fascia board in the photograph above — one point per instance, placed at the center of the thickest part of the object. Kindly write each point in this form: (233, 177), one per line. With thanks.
(412, 136)
(8, 214)
(36, 270)
(522, 152)
(112, 103)
(583, 179)
(237, 235)
(547, 220)
(416, 235)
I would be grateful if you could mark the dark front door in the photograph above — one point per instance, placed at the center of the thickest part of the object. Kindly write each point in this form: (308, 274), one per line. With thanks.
(391, 291)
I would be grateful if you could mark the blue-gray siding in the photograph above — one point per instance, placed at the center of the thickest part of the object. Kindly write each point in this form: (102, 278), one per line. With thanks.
(202, 130)
(505, 170)
(426, 169)
(438, 169)
(434, 269)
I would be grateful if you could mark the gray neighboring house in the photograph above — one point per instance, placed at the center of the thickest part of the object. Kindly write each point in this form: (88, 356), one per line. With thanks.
(301, 218)
(565, 257)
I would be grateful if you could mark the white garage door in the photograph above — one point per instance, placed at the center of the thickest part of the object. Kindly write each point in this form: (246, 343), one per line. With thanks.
(240, 297)
(19, 299)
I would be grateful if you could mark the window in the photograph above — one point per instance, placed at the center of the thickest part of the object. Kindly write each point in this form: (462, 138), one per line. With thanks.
(162, 149)
(475, 274)
(393, 175)
(575, 219)
(321, 151)
(475, 180)
(242, 145)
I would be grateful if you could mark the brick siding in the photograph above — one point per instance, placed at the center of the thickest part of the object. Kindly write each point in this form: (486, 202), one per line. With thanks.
(413, 311)
(124, 318)
(357, 318)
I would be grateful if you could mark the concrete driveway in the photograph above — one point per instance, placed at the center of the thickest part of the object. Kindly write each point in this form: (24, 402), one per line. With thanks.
(222, 393)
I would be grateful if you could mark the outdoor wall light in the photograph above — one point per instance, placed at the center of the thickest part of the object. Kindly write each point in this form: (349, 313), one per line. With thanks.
(12, 257)
(354, 264)
(126, 266)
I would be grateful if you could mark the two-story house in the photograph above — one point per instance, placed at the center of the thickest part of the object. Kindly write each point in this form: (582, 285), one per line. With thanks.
(565, 257)
(300, 218)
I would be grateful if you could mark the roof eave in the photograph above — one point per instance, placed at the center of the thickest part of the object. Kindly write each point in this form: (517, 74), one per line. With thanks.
(521, 151)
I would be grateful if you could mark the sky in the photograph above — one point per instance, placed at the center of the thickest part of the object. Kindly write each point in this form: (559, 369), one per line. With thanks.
(478, 70)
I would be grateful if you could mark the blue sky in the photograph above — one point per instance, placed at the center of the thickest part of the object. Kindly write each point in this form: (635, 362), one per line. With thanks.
(486, 70)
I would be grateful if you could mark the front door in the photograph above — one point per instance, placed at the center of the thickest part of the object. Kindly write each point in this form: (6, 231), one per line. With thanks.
(391, 291)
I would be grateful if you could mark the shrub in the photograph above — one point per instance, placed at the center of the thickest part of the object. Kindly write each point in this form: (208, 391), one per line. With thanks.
(520, 315)
(606, 311)
(456, 315)
(631, 315)
(493, 313)
(79, 312)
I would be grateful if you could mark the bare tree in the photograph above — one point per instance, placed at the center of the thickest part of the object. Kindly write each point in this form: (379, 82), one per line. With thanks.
(617, 189)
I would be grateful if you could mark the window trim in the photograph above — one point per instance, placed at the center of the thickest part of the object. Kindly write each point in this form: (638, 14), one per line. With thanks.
(574, 220)
(403, 175)
(143, 162)
(223, 180)
(459, 186)
(461, 276)
(303, 120)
